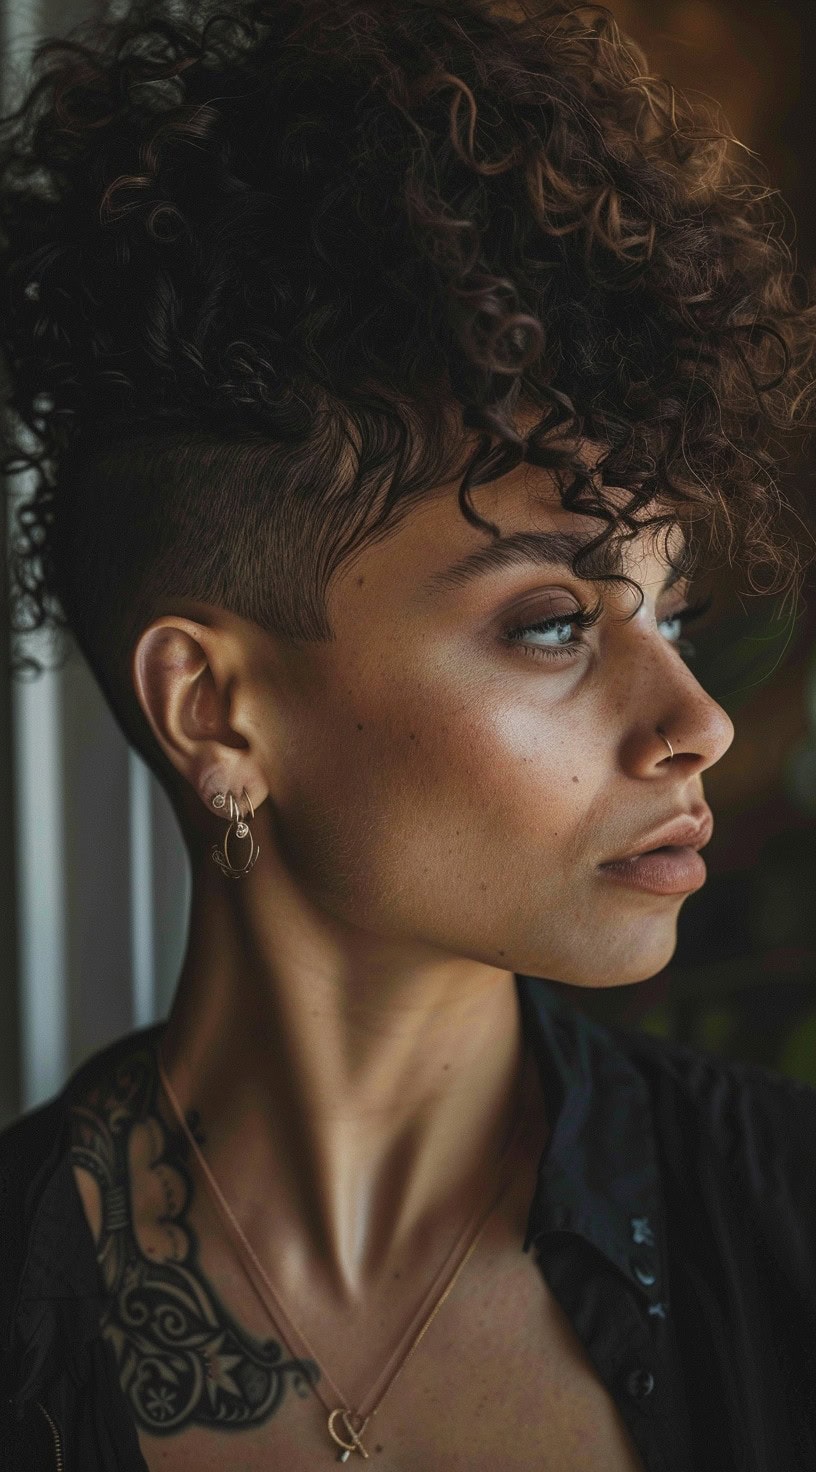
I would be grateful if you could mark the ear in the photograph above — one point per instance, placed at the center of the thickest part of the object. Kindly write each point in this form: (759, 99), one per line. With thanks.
(187, 679)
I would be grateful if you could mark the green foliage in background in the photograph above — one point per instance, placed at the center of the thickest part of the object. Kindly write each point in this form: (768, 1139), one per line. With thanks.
(742, 650)
(786, 1044)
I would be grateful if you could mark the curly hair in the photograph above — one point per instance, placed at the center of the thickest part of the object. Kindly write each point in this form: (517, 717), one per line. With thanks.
(270, 276)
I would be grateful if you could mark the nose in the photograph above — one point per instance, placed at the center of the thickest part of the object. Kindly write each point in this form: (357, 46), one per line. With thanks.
(666, 700)
(697, 728)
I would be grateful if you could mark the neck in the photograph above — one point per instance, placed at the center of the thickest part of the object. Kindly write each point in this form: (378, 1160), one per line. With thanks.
(376, 1087)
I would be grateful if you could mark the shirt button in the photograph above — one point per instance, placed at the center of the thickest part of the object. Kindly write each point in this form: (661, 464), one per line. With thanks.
(639, 1383)
(642, 1272)
(642, 1234)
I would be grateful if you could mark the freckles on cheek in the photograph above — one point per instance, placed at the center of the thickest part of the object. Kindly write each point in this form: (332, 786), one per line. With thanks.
(534, 773)
(510, 767)
(474, 750)
(514, 736)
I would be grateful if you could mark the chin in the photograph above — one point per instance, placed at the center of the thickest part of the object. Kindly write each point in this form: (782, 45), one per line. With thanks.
(629, 971)
(621, 965)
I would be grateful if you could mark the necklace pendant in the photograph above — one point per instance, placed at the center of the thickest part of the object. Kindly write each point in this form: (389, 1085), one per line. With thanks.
(352, 1442)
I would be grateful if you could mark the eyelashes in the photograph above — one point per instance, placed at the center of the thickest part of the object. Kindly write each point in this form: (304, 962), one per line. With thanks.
(584, 618)
(688, 615)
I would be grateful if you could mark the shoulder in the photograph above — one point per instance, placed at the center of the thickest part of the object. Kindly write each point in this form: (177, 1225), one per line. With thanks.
(705, 1106)
(728, 1129)
(29, 1151)
(33, 1150)
(738, 1103)
(31, 1147)
(28, 1139)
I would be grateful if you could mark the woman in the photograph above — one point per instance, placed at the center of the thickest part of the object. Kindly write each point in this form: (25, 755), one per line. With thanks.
(390, 371)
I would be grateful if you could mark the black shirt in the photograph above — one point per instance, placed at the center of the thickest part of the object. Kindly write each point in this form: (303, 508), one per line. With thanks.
(674, 1219)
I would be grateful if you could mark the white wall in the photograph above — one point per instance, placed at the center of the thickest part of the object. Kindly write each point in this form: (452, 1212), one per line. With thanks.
(95, 879)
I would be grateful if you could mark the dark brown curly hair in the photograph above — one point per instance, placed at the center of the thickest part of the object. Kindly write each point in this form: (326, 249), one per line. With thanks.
(270, 275)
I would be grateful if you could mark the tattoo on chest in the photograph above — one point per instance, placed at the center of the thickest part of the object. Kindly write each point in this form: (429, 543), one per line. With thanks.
(182, 1358)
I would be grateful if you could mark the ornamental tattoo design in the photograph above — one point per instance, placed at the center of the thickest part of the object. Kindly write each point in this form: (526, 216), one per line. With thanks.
(182, 1358)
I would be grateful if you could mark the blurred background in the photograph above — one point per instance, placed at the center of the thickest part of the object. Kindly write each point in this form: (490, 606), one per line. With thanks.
(743, 978)
(93, 876)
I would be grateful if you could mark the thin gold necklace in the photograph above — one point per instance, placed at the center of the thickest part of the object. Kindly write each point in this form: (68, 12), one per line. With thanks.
(353, 1423)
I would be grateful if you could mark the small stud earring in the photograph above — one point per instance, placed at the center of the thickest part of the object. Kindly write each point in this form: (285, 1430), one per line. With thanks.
(219, 800)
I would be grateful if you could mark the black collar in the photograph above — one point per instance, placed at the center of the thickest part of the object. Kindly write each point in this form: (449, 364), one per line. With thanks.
(599, 1175)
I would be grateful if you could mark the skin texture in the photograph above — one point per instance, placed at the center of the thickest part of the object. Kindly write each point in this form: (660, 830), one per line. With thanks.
(431, 804)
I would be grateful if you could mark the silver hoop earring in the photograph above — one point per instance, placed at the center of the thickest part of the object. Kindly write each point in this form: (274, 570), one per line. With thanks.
(240, 828)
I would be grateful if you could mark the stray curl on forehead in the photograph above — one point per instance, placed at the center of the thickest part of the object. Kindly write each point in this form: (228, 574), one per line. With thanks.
(590, 558)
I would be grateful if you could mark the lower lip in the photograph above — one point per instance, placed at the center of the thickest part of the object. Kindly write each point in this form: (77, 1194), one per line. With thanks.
(666, 871)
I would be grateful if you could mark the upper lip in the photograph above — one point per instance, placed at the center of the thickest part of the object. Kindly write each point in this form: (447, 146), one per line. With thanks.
(686, 830)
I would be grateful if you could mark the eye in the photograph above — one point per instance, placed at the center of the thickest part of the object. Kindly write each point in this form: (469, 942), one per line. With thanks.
(556, 632)
(678, 621)
(675, 620)
(559, 636)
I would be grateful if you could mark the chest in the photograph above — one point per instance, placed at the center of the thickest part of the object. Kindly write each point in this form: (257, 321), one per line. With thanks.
(500, 1380)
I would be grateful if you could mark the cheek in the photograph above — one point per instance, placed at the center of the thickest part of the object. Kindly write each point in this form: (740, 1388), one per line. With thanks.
(465, 818)
(425, 792)
(528, 772)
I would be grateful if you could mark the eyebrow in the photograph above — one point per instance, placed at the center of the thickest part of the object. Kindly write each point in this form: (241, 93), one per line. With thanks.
(553, 549)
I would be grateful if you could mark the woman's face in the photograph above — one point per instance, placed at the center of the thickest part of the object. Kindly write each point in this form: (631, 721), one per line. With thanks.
(451, 789)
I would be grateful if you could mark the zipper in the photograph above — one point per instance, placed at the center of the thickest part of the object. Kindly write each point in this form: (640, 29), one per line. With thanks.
(57, 1439)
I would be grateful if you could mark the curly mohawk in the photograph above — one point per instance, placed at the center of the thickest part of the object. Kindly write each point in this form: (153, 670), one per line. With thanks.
(268, 273)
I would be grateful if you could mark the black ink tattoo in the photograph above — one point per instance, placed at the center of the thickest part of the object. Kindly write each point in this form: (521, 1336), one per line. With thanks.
(182, 1358)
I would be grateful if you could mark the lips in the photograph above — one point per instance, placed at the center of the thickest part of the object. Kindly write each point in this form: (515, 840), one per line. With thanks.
(664, 871)
(686, 830)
